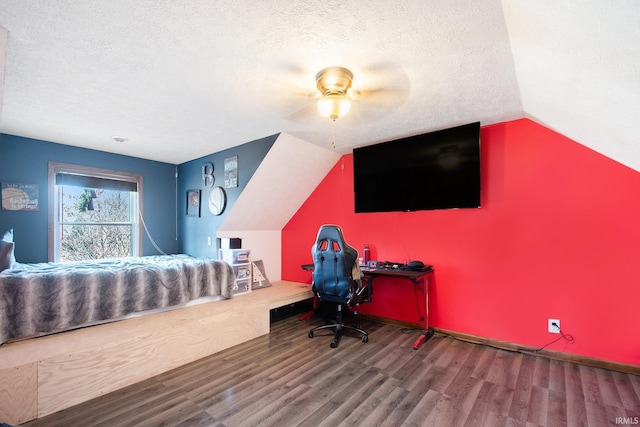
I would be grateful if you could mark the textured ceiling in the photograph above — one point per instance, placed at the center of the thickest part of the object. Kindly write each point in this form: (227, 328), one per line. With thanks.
(183, 79)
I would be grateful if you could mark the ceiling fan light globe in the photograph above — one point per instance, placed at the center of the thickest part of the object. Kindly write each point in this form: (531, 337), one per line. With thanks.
(334, 106)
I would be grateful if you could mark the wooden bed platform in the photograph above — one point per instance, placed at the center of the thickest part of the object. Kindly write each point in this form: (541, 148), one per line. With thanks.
(45, 375)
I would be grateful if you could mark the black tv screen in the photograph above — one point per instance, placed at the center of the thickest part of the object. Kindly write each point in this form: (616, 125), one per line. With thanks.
(436, 170)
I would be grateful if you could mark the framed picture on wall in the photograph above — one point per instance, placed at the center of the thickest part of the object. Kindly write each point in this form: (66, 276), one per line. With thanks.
(193, 202)
(231, 172)
(19, 197)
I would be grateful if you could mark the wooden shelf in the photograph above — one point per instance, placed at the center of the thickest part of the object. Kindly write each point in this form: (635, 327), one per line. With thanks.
(281, 293)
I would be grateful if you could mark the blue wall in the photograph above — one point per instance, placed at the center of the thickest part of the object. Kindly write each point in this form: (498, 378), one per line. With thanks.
(24, 160)
(193, 231)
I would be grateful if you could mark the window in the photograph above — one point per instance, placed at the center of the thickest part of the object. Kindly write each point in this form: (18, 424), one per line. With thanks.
(93, 213)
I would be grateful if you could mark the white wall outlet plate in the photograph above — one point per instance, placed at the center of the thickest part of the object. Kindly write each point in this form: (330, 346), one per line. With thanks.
(554, 326)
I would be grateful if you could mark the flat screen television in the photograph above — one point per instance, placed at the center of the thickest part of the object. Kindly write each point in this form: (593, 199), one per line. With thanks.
(436, 170)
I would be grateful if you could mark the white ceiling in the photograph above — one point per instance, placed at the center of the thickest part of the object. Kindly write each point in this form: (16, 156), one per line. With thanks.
(183, 79)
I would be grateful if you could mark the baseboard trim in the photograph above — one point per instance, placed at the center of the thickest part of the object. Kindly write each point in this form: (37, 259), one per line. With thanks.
(556, 355)
(509, 346)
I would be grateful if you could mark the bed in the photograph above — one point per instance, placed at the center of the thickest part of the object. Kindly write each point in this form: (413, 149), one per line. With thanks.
(46, 298)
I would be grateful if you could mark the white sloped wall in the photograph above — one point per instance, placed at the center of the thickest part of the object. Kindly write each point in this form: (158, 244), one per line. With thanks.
(289, 173)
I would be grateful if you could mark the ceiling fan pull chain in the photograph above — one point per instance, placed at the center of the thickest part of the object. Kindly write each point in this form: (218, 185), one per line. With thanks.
(333, 134)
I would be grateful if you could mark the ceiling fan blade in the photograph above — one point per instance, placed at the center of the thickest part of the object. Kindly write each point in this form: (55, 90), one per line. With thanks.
(287, 98)
(382, 94)
(304, 113)
(290, 90)
(379, 89)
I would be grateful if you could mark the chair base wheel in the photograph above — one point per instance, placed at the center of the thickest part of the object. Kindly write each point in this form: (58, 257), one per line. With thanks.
(339, 328)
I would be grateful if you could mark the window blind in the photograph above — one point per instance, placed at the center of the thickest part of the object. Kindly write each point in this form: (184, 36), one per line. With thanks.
(95, 182)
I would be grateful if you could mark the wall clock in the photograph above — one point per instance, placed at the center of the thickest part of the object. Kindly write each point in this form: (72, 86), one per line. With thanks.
(217, 200)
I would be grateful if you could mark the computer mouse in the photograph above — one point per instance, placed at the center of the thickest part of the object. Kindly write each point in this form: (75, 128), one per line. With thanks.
(415, 265)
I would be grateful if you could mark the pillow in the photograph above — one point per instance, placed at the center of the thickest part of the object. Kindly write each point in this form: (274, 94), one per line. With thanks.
(6, 255)
(259, 276)
(8, 237)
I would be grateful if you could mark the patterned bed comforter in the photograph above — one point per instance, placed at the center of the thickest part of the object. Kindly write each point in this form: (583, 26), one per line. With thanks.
(38, 299)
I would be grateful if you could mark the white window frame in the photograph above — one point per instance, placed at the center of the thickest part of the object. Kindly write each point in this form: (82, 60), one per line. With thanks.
(54, 221)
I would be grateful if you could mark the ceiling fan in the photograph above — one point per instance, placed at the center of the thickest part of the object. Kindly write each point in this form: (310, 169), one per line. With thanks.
(370, 93)
(333, 84)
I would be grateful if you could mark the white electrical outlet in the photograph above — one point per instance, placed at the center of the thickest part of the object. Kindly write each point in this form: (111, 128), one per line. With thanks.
(208, 240)
(554, 326)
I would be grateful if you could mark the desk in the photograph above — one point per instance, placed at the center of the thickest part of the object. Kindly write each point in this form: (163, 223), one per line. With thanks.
(418, 278)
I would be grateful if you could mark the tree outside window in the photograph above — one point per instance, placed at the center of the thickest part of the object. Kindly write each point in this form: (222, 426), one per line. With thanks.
(96, 223)
(95, 213)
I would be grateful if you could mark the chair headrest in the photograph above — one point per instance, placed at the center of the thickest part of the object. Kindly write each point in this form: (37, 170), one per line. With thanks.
(330, 232)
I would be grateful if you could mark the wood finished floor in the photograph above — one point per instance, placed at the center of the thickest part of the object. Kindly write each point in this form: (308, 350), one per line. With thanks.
(287, 379)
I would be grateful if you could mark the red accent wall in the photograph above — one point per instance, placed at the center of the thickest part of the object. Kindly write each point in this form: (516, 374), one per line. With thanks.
(557, 236)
